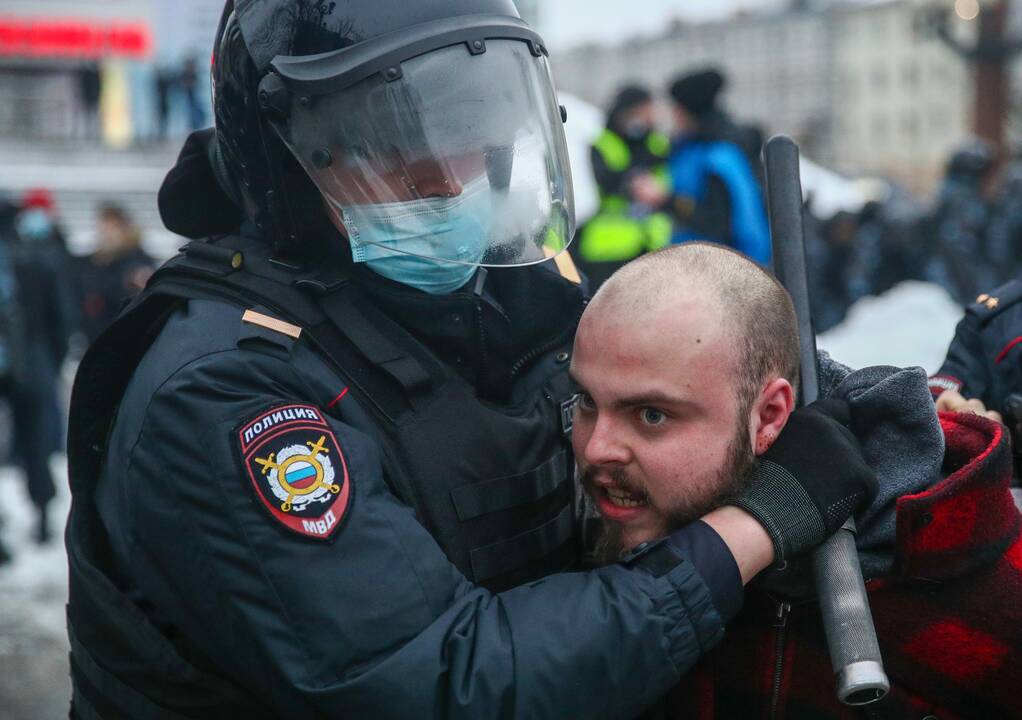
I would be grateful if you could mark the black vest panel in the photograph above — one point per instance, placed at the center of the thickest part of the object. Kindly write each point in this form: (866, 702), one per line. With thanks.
(493, 483)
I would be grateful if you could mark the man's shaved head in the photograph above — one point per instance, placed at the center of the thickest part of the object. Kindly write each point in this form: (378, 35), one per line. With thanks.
(686, 362)
(755, 310)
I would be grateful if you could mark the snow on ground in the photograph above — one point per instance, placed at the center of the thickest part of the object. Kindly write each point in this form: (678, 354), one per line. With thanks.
(34, 682)
(912, 324)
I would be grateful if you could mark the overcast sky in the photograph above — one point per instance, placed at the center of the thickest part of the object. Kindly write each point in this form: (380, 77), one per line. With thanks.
(569, 22)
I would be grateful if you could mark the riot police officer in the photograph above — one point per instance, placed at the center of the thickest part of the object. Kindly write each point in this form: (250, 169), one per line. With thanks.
(321, 465)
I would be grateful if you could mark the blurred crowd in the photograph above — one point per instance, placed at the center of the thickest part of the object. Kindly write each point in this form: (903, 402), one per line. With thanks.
(51, 306)
(178, 101)
(704, 181)
(185, 84)
(965, 239)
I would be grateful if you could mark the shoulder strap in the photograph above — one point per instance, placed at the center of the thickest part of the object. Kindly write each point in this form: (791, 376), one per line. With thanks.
(990, 305)
(328, 305)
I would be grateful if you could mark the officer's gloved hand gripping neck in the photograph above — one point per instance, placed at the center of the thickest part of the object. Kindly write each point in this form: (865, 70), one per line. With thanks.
(810, 480)
(802, 490)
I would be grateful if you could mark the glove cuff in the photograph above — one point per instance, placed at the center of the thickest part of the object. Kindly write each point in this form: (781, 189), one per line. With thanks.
(780, 503)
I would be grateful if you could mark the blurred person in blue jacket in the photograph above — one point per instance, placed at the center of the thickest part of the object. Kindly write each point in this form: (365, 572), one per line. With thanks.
(715, 193)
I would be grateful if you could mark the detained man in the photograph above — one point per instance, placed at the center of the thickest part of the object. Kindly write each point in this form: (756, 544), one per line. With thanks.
(687, 366)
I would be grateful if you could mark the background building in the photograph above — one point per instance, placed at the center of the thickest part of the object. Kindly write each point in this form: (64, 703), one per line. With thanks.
(80, 111)
(903, 99)
(860, 85)
(64, 61)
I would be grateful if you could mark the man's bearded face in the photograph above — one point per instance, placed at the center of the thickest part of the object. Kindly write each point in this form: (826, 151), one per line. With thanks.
(659, 434)
(633, 514)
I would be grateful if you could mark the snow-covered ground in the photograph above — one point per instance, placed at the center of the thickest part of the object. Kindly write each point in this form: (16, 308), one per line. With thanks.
(34, 682)
(911, 325)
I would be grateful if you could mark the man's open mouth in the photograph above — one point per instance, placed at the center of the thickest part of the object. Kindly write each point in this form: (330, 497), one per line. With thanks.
(625, 499)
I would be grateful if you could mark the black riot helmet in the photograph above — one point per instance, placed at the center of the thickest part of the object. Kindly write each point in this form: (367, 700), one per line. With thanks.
(407, 122)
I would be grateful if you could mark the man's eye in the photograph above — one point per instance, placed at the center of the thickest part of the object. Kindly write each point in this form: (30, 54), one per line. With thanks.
(584, 401)
(652, 416)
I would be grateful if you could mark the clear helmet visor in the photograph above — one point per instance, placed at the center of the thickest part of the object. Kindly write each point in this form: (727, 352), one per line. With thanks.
(461, 159)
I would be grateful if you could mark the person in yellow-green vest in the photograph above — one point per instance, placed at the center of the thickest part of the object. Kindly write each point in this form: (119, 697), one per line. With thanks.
(629, 163)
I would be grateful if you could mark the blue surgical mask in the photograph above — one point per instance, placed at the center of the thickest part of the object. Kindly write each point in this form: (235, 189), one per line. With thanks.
(34, 225)
(408, 242)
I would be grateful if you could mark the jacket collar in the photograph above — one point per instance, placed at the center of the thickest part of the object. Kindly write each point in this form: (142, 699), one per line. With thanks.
(492, 329)
(967, 520)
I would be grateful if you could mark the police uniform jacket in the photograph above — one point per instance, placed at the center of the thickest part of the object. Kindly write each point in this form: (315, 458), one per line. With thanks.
(984, 359)
(353, 508)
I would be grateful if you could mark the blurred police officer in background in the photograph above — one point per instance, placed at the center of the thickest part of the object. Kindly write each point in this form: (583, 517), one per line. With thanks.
(317, 463)
(629, 162)
(955, 231)
(1004, 229)
(716, 193)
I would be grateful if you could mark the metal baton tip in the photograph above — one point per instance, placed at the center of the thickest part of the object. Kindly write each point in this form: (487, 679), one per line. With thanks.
(862, 683)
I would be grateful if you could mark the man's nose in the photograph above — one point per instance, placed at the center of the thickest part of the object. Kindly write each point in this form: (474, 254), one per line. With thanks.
(605, 445)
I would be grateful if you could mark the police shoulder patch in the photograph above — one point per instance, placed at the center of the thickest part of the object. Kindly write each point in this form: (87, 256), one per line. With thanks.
(297, 469)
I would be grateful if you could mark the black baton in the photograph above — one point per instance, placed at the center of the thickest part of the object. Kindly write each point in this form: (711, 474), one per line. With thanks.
(847, 620)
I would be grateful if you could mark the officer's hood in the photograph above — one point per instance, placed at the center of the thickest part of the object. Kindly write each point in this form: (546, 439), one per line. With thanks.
(192, 201)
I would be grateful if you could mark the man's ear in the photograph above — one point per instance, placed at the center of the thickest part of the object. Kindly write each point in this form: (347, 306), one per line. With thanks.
(770, 413)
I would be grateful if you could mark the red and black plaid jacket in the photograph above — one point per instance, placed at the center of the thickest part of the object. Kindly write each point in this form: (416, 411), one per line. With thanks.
(948, 616)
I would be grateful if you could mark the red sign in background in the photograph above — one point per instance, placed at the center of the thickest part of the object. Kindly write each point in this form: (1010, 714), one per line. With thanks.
(66, 38)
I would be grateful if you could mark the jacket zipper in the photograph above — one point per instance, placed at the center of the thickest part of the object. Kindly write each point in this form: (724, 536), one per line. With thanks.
(547, 347)
(781, 627)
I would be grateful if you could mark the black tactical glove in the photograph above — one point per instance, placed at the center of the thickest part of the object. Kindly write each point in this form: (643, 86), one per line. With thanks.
(810, 481)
